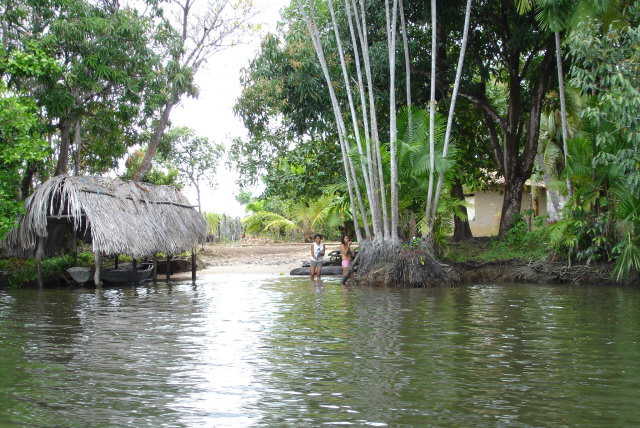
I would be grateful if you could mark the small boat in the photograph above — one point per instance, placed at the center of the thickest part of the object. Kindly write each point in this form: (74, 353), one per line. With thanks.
(80, 274)
(124, 274)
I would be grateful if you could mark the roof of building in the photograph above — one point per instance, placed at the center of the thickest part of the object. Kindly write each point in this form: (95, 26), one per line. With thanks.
(118, 217)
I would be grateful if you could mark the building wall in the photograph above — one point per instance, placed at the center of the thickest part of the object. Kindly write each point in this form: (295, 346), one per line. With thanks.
(486, 207)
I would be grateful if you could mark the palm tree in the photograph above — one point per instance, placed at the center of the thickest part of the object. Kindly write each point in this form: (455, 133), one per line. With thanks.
(454, 96)
(557, 16)
(301, 217)
(550, 158)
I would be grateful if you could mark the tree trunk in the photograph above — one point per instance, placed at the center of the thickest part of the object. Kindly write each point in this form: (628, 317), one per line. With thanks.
(27, 180)
(356, 129)
(563, 109)
(62, 168)
(374, 182)
(512, 201)
(348, 165)
(393, 132)
(78, 145)
(452, 105)
(361, 25)
(147, 161)
(554, 204)
(461, 228)
(432, 113)
(197, 186)
(407, 58)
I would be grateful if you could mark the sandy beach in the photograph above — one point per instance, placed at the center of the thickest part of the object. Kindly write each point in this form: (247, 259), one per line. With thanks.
(254, 257)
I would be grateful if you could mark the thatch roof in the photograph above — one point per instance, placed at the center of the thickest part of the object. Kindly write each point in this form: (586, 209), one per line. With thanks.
(118, 217)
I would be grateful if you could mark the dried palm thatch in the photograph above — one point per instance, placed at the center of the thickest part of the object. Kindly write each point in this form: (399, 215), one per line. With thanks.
(119, 217)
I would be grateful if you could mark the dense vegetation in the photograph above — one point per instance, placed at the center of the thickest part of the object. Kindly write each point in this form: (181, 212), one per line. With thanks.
(87, 85)
(549, 89)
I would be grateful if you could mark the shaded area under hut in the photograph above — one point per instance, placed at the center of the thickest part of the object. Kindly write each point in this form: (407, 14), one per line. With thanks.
(114, 216)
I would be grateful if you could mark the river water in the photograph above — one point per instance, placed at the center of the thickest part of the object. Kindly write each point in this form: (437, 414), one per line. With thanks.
(243, 350)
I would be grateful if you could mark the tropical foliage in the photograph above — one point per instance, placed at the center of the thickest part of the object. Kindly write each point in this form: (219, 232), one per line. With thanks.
(602, 219)
(367, 117)
(551, 89)
(278, 218)
(84, 85)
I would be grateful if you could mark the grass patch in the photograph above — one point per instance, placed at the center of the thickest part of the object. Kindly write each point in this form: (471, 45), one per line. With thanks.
(518, 244)
(493, 249)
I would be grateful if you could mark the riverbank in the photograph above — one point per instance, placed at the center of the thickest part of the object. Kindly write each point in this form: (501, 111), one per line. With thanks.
(281, 258)
(261, 257)
(474, 261)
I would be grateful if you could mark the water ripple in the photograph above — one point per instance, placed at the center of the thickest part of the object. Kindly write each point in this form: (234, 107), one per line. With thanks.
(248, 350)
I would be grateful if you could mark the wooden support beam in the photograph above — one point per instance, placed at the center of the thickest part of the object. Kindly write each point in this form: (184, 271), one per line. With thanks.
(39, 256)
(96, 275)
(134, 268)
(75, 248)
(154, 274)
(168, 267)
(193, 265)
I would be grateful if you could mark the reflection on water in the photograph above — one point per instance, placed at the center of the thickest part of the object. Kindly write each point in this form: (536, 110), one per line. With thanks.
(247, 350)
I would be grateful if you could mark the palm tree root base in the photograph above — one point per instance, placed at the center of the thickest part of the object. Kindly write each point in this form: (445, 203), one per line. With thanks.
(411, 268)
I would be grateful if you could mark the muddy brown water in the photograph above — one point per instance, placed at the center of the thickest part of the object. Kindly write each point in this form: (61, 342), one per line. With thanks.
(258, 350)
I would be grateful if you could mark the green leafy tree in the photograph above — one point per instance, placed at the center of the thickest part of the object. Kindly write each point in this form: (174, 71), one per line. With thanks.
(20, 144)
(285, 109)
(21, 130)
(602, 219)
(194, 157)
(513, 63)
(106, 58)
(160, 173)
(101, 91)
(198, 32)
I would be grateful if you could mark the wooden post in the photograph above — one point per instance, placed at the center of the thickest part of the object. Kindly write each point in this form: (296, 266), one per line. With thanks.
(39, 256)
(134, 277)
(115, 263)
(168, 267)
(154, 275)
(96, 275)
(75, 248)
(193, 265)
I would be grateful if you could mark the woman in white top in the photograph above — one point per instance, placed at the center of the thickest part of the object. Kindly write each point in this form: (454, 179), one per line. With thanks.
(317, 253)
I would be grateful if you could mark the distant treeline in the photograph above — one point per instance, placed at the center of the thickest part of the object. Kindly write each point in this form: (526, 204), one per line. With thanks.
(223, 228)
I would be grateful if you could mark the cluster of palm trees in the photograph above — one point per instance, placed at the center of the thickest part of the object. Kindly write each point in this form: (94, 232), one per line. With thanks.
(385, 225)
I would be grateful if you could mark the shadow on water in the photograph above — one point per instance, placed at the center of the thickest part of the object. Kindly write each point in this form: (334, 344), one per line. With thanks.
(251, 350)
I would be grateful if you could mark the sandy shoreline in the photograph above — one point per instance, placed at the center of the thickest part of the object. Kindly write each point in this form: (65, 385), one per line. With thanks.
(254, 258)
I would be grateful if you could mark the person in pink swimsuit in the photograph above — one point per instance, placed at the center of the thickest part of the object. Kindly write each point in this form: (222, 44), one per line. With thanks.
(345, 252)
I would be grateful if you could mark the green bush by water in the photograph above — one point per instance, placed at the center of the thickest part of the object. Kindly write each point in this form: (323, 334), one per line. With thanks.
(519, 243)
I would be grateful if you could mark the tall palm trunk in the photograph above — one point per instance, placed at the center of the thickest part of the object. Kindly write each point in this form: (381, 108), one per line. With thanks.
(452, 105)
(351, 183)
(432, 117)
(361, 24)
(374, 182)
(563, 108)
(407, 59)
(391, 19)
(356, 126)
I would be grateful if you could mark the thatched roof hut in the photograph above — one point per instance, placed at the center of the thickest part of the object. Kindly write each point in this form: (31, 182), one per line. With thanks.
(117, 217)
